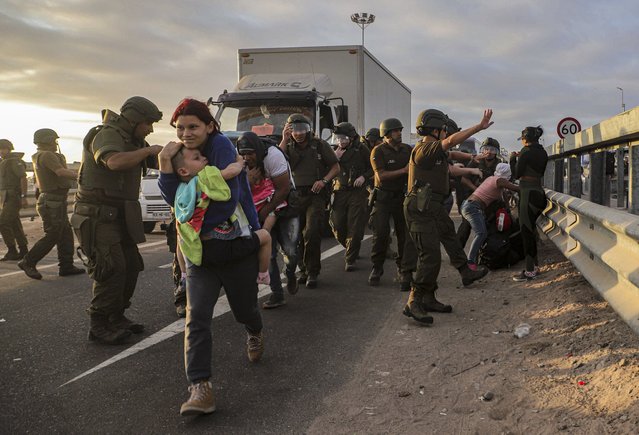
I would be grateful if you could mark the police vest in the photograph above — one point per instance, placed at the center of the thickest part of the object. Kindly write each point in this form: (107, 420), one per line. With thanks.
(48, 181)
(392, 160)
(429, 165)
(307, 164)
(10, 168)
(352, 165)
(118, 185)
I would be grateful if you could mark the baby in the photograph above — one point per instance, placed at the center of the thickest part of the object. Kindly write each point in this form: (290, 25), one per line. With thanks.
(201, 184)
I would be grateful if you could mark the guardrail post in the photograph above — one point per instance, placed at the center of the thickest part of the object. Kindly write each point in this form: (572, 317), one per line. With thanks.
(574, 176)
(549, 175)
(621, 178)
(558, 178)
(597, 177)
(633, 181)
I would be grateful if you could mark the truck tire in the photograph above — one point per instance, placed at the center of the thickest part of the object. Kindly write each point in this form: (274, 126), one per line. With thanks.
(149, 227)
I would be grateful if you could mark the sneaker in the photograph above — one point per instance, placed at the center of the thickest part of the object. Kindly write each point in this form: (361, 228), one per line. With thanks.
(201, 400)
(472, 266)
(274, 301)
(525, 276)
(254, 346)
(263, 278)
(292, 286)
(311, 281)
(29, 270)
(469, 276)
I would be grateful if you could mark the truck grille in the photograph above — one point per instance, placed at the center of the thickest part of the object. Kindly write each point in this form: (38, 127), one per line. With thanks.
(158, 208)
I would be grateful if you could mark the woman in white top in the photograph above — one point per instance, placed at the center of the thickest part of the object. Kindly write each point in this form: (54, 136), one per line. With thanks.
(490, 190)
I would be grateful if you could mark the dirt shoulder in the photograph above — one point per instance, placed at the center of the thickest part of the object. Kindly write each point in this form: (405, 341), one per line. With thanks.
(576, 372)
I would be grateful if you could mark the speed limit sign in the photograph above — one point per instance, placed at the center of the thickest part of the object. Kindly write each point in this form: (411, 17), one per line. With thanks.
(568, 126)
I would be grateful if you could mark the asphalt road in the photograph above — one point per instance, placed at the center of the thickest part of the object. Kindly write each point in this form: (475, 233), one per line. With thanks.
(53, 380)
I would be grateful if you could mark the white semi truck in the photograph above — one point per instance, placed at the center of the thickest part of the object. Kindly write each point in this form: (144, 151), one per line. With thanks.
(328, 84)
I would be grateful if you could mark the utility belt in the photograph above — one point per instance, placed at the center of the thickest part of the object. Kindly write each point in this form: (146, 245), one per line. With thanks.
(56, 197)
(86, 217)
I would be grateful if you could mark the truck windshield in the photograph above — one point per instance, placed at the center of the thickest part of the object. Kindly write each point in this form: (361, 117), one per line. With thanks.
(264, 119)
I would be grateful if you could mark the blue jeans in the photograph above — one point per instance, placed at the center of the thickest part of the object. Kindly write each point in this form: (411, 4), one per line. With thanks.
(473, 212)
(285, 233)
(203, 283)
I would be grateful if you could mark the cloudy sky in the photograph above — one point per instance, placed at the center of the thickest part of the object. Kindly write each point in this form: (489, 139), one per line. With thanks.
(533, 62)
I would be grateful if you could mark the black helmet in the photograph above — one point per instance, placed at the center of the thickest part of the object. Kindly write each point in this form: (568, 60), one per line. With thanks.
(373, 134)
(249, 142)
(45, 136)
(345, 128)
(490, 142)
(452, 126)
(388, 125)
(298, 118)
(6, 143)
(430, 118)
(140, 109)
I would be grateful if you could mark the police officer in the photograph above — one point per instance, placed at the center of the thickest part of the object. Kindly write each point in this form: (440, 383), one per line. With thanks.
(372, 138)
(314, 165)
(487, 162)
(426, 216)
(55, 180)
(107, 217)
(349, 212)
(390, 166)
(13, 196)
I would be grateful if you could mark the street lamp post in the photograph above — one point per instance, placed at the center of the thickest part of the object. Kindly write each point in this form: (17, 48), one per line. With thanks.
(623, 105)
(363, 19)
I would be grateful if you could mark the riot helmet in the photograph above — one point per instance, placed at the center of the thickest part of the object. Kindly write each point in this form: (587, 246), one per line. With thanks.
(45, 137)
(139, 109)
(6, 144)
(299, 123)
(373, 134)
(452, 127)
(490, 145)
(389, 125)
(431, 119)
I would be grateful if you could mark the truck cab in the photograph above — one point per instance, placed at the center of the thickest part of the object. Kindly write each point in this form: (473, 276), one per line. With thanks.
(262, 103)
(154, 208)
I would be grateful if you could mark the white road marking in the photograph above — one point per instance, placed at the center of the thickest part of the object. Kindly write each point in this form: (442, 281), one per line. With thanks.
(49, 266)
(177, 327)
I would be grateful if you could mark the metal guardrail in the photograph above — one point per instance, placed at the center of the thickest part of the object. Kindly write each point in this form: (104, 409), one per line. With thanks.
(603, 244)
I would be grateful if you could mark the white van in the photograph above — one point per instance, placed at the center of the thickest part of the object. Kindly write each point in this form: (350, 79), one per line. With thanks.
(154, 208)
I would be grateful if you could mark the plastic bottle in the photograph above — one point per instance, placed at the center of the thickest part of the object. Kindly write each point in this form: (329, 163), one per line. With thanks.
(522, 330)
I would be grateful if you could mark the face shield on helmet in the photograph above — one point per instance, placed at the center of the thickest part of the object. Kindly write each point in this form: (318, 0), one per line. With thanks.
(340, 140)
(300, 127)
(489, 149)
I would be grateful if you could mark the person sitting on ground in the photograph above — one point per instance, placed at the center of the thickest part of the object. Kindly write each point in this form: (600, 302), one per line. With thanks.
(200, 184)
(473, 208)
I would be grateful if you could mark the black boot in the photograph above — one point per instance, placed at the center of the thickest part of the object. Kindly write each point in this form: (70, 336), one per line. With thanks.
(414, 308)
(103, 333)
(375, 276)
(11, 255)
(30, 270)
(430, 303)
(70, 270)
(404, 280)
(120, 321)
(469, 276)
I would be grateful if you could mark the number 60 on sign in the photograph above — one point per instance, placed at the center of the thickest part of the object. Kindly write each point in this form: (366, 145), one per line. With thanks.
(568, 126)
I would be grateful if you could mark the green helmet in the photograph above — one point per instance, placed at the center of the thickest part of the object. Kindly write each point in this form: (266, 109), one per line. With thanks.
(45, 136)
(6, 143)
(139, 109)
(298, 118)
(373, 133)
(388, 125)
(452, 126)
(345, 128)
(430, 118)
